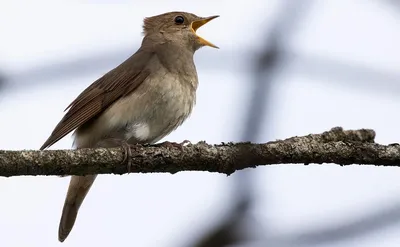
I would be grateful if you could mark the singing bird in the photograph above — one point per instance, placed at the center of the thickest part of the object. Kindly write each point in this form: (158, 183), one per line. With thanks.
(140, 101)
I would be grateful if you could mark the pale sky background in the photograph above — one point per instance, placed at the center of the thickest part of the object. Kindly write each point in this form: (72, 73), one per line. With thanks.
(170, 210)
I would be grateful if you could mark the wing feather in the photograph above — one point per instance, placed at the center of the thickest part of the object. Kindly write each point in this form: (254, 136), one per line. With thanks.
(116, 84)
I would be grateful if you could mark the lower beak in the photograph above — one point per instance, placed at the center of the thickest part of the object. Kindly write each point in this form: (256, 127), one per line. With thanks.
(197, 24)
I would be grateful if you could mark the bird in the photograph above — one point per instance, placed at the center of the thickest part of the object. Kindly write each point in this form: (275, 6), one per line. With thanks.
(140, 101)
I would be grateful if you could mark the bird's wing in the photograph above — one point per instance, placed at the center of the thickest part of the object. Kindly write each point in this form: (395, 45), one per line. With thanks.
(116, 84)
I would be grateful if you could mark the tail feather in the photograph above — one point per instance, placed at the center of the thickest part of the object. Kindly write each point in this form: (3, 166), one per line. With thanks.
(78, 188)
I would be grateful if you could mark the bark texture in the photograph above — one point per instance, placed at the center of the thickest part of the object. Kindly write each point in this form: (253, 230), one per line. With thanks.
(342, 147)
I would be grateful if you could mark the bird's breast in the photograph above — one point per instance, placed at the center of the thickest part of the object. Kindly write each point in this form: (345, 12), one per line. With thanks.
(166, 104)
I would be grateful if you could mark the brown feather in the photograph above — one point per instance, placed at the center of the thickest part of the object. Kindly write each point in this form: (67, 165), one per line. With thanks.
(117, 83)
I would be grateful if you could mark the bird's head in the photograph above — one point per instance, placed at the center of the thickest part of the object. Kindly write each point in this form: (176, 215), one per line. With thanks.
(178, 27)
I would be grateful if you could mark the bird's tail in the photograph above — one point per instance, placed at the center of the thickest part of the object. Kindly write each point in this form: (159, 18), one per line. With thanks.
(79, 186)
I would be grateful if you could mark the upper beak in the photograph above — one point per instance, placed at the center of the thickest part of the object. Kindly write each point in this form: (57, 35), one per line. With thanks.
(200, 22)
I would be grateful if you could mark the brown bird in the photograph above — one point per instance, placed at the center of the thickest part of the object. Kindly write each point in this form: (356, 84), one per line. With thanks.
(140, 101)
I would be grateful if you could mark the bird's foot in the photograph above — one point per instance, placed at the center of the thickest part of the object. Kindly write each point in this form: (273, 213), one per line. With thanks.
(168, 144)
(126, 147)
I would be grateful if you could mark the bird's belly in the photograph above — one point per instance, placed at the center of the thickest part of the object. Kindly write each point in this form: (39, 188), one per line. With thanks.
(158, 120)
(146, 116)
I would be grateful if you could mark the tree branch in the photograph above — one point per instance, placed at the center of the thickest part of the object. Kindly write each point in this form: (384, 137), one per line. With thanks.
(335, 146)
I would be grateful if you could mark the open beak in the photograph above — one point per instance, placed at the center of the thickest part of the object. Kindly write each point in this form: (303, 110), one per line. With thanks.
(197, 24)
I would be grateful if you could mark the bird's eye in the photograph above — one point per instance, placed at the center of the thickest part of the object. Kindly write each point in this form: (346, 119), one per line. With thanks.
(179, 19)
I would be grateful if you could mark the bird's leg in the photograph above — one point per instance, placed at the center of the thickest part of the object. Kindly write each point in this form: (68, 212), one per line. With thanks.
(126, 147)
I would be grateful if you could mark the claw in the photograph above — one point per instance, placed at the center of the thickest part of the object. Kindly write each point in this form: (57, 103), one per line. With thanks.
(185, 142)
